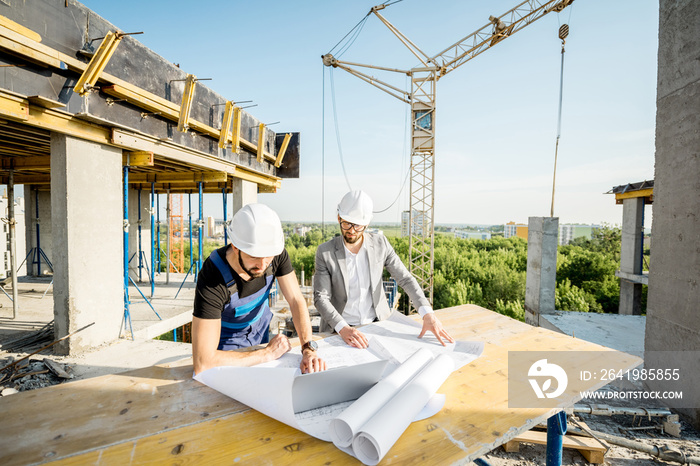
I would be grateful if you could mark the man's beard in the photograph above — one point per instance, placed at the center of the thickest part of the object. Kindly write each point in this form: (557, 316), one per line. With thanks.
(351, 240)
(249, 271)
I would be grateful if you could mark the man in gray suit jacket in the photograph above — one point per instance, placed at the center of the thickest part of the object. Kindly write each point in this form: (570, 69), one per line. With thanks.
(348, 287)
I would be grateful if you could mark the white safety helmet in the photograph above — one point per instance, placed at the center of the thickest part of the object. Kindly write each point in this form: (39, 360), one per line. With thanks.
(256, 230)
(356, 207)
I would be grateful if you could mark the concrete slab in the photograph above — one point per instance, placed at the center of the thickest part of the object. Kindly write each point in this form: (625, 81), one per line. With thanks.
(620, 332)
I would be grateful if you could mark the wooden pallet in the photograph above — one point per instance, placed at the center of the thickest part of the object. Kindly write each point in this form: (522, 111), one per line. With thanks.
(590, 448)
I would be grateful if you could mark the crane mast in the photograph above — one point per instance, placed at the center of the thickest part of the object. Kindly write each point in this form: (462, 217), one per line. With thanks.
(421, 98)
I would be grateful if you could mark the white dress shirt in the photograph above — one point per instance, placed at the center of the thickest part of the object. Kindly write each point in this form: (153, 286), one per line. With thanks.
(359, 309)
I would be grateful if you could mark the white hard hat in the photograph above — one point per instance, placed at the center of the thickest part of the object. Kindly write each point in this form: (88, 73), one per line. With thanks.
(356, 207)
(256, 230)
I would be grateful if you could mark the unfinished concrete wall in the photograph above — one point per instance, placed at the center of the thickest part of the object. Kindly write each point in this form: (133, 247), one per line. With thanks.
(36, 264)
(673, 309)
(86, 200)
(541, 267)
(139, 262)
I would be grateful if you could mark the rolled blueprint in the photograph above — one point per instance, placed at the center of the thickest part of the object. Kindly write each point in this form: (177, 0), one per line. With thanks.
(344, 427)
(385, 427)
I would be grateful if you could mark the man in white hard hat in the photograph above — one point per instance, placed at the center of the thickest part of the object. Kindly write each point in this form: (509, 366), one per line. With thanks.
(348, 289)
(230, 304)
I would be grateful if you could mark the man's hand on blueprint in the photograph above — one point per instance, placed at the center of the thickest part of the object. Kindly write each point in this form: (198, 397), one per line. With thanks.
(353, 337)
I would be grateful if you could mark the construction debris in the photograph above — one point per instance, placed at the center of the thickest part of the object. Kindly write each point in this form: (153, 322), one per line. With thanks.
(15, 378)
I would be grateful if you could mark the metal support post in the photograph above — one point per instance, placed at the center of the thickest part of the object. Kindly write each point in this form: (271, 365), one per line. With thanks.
(556, 428)
(158, 233)
(223, 190)
(153, 249)
(127, 314)
(201, 223)
(37, 255)
(127, 278)
(189, 214)
(140, 251)
(167, 239)
(13, 252)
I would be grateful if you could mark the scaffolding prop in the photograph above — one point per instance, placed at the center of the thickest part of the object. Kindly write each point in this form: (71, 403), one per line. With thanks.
(37, 253)
(189, 270)
(126, 321)
(140, 254)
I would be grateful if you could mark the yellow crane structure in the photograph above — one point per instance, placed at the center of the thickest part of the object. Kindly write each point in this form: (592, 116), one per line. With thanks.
(421, 98)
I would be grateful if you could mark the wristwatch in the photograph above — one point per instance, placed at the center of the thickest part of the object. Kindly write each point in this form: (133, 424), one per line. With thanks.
(312, 345)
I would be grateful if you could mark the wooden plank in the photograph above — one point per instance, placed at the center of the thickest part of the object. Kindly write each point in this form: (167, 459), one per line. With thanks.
(648, 192)
(159, 414)
(593, 451)
(45, 102)
(19, 29)
(40, 162)
(191, 177)
(139, 158)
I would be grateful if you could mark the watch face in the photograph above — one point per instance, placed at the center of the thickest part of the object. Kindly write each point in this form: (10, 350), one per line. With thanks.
(312, 345)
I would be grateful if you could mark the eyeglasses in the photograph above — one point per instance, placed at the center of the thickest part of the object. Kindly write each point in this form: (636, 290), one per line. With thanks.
(347, 225)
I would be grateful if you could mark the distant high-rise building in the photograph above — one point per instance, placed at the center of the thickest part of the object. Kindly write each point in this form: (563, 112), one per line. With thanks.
(418, 218)
(569, 232)
(515, 229)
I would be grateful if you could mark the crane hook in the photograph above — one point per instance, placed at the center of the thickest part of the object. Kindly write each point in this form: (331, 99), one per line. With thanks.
(563, 34)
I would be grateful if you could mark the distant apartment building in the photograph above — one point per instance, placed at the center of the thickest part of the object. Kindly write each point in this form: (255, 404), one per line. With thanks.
(214, 228)
(418, 220)
(301, 230)
(463, 234)
(20, 239)
(515, 229)
(568, 232)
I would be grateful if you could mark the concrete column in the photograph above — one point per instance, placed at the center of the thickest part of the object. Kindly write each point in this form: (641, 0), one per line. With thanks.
(86, 201)
(673, 314)
(631, 255)
(42, 222)
(541, 267)
(244, 192)
(134, 234)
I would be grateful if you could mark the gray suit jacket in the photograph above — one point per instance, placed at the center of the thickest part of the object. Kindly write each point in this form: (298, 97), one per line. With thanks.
(331, 281)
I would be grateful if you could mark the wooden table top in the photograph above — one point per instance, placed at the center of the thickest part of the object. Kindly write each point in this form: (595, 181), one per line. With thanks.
(160, 414)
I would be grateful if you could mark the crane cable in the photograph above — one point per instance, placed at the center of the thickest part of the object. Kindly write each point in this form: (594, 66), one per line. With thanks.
(563, 34)
(354, 34)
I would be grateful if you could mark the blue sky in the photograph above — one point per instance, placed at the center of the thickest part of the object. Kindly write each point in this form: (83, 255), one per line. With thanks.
(496, 115)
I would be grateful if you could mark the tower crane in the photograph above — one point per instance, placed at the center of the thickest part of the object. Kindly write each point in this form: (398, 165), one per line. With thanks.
(421, 98)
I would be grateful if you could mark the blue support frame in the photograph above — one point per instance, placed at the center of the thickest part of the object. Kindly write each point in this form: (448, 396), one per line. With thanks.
(127, 313)
(153, 249)
(157, 262)
(141, 254)
(223, 190)
(127, 278)
(556, 428)
(201, 223)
